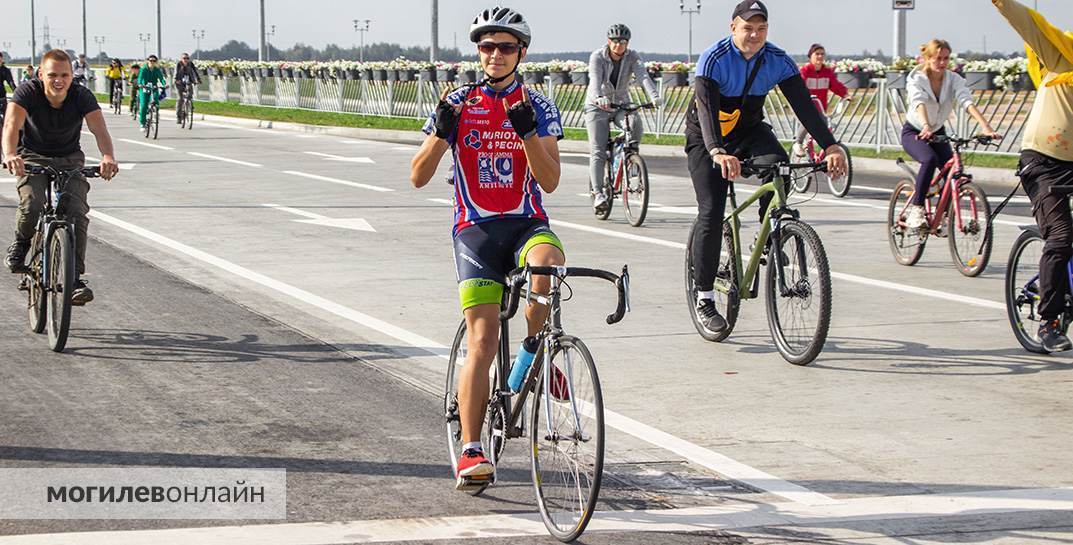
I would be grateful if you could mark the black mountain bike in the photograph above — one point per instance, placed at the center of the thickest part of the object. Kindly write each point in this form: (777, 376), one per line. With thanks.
(627, 173)
(152, 114)
(566, 419)
(49, 270)
(117, 97)
(184, 105)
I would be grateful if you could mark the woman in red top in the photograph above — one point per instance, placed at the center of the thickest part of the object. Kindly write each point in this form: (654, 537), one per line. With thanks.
(819, 78)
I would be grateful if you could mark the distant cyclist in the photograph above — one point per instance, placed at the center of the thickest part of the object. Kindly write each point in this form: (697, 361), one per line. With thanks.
(132, 79)
(821, 81)
(81, 70)
(115, 79)
(611, 69)
(151, 74)
(725, 124)
(1047, 159)
(934, 92)
(185, 76)
(5, 80)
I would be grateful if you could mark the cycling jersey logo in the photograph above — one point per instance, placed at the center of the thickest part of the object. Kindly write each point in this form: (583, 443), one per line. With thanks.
(473, 139)
(555, 129)
(475, 100)
(507, 125)
(495, 170)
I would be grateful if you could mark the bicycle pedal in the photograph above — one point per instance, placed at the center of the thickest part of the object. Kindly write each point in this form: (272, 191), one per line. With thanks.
(467, 484)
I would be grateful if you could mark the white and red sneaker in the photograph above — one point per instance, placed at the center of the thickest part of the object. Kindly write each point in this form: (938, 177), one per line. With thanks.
(474, 470)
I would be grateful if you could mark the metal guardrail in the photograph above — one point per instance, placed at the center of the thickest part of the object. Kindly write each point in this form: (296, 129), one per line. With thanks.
(874, 117)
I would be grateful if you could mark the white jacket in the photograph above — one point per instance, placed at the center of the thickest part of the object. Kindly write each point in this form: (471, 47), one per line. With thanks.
(953, 93)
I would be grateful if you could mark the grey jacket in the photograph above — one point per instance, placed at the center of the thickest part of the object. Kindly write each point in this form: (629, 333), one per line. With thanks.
(600, 66)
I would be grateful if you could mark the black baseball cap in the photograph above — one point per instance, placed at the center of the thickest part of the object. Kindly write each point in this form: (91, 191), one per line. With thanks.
(748, 9)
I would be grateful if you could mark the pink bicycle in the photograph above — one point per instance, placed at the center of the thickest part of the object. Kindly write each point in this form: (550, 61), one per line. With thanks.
(839, 187)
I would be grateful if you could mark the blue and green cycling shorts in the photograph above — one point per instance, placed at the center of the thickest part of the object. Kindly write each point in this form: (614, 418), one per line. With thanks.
(486, 252)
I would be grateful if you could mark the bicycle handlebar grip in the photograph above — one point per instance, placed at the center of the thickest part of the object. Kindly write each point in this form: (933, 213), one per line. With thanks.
(620, 284)
(92, 172)
(515, 287)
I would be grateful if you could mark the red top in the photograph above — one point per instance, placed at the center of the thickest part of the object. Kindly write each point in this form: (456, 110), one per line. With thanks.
(819, 82)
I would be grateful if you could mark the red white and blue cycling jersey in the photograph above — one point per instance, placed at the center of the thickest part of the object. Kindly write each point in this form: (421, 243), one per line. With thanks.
(492, 176)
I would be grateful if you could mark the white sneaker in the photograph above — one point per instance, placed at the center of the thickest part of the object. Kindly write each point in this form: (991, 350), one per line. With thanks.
(797, 150)
(914, 218)
(599, 203)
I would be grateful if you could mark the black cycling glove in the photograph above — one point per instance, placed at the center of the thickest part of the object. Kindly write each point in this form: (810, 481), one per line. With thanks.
(446, 119)
(523, 119)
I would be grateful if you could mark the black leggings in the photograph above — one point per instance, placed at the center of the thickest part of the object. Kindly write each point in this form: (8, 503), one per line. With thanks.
(1038, 174)
(931, 157)
(711, 189)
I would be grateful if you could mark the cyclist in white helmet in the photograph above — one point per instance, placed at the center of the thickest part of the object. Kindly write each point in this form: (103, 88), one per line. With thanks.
(610, 68)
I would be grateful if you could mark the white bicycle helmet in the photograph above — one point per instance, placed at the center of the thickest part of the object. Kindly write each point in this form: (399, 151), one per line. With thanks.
(501, 19)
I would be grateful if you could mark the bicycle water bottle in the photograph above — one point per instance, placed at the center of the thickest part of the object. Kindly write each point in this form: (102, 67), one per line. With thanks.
(522, 362)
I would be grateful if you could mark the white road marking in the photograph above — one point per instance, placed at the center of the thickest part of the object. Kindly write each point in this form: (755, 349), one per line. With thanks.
(691, 519)
(404, 148)
(146, 144)
(1019, 200)
(337, 181)
(695, 453)
(354, 224)
(224, 159)
(122, 166)
(448, 202)
(330, 157)
(573, 154)
(925, 292)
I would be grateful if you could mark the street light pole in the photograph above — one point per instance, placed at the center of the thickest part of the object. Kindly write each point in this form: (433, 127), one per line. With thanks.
(100, 45)
(362, 29)
(433, 50)
(85, 46)
(159, 34)
(33, 35)
(261, 35)
(682, 9)
(198, 38)
(268, 44)
(145, 39)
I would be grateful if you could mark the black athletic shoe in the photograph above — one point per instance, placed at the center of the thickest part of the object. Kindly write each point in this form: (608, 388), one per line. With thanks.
(709, 317)
(1052, 338)
(16, 256)
(81, 294)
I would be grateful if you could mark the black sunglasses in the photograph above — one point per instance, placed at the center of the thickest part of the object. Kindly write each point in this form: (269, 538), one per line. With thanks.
(506, 48)
(620, 41)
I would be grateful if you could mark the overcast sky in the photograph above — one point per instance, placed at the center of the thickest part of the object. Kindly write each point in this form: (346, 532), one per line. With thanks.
(844, 26)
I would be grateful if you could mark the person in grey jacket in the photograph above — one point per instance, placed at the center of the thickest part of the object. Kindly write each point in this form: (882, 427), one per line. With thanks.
(610, 68)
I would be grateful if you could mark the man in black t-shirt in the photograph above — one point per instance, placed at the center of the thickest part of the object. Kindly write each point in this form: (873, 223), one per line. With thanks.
(5, 78)
(49, 111)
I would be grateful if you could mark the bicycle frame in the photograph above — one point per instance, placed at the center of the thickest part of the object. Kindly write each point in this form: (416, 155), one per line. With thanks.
(953, 171)
(777, 188)
(616, 155)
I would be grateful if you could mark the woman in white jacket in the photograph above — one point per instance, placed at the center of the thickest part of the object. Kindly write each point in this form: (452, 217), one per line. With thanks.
(934, 92)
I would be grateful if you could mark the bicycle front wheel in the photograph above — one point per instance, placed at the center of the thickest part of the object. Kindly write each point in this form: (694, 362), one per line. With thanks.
(907, 245)
(190, 114)
(840, 187)
(61, 273)
(567, 439)
(156, 121)
(970, 243)
(36, 304)
(635, 192)
(726, 276)
(798, 293)
(1023, 291)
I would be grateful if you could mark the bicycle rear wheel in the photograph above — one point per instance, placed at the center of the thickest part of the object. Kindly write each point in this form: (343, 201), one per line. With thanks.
(970, 245)
(1023, 291)
(60, 283)
(799, 303)
(567, 439)
(907, 245)
(36, 304)
(726, 275)
(635, 192)
(492, 431)
(840, 187)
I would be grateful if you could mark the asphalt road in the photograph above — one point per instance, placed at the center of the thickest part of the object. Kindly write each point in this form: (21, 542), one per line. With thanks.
(274, 299)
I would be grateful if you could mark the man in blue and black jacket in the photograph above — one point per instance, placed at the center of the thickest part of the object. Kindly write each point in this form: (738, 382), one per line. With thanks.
(725, 124)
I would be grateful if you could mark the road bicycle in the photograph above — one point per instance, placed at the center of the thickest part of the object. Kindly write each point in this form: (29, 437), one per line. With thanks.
(839, 187)
(627, 173)
(560, 394)
(955, 208)
(184, 105)
(134, 89)
(49, 271)
(152, 114)
(797, 285)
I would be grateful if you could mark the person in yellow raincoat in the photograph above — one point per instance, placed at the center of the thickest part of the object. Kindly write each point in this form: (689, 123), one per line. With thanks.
(1047, 158)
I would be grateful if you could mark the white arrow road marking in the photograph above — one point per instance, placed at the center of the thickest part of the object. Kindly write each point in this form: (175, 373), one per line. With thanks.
(330, 157)
(146, 144)
(354, 224)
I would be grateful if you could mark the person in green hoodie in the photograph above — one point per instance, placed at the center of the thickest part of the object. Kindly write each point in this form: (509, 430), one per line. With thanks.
(150, 74)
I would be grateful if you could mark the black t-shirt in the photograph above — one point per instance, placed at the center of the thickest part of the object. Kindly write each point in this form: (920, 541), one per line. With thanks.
(49, 131)
(616, 68)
